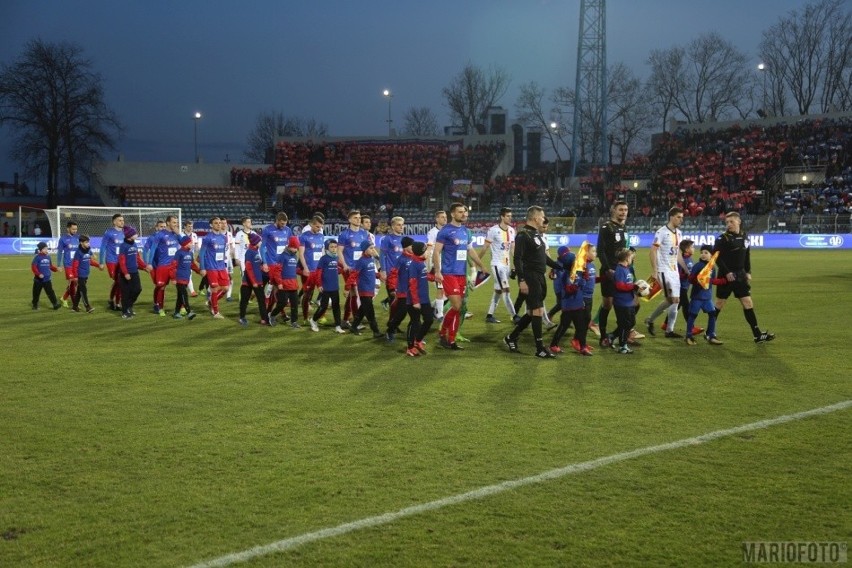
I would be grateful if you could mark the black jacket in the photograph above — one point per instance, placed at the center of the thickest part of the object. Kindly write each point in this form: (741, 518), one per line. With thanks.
(530, 253)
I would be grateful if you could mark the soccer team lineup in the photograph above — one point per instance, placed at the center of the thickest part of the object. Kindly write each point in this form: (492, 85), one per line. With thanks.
(277, 277)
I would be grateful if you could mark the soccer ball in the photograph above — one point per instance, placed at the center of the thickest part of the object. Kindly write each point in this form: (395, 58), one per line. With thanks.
(644, 288)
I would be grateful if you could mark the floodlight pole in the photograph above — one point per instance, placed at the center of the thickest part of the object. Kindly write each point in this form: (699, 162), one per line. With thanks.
(389, 96)
(196, 118)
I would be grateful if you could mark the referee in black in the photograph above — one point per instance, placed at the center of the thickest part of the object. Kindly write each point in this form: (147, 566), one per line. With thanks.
(734, 263)
(612, 238)
(531, 262)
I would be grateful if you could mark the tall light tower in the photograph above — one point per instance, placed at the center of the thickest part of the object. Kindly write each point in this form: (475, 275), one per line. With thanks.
(762, 68)
(389, 96)
(590, 88)
(554, 128)
(196, 117)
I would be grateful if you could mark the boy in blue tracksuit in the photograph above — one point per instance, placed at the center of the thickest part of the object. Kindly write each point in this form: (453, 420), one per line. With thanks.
(182, 266)
(43, 270)
(328, 276)
(556, 276)
(129, 262)
(417, 298)
(624, 300)
(590, 276)
(687, 251)
(288, 284)
(399, 306)
(364, 275)
(702, 299)
(253, 281)
(572, 305)
(82, 266)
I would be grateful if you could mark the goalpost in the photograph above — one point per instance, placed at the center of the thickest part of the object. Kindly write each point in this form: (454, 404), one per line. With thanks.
(94, 221)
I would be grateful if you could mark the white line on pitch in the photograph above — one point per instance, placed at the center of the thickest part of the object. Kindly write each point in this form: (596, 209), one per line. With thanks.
(293, 542)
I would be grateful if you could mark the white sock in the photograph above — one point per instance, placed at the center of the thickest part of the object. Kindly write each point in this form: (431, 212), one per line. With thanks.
(493, 306)
(672, 315)
(510, 306)
(189, 287)
(664, 305)
(545, 318)
(439, 307)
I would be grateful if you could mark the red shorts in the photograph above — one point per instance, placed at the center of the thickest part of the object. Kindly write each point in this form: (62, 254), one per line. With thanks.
(275, 274)
(351, 281)
(218, 278)
(69, 273)
(455, 284)
(311, 280)
(162, 275)
(393, 279)
(112, 269)
(288, 284)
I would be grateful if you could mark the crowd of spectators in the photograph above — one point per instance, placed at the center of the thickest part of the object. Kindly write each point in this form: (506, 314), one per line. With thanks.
(707, 173)
(711, 172)
(336, 176)
(829, 198)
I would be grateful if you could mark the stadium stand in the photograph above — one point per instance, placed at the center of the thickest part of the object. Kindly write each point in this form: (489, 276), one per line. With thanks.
(706, 170)
(392, 176)
(710, 172)
(197, 202)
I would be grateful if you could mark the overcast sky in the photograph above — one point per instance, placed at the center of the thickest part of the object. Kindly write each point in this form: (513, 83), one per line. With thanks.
(330, 60)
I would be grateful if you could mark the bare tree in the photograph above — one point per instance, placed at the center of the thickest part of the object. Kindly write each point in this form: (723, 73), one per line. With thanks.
(420, 122)
(470, 94)
(54, 103)
(630, 115)
(809, 56)
(530, 110)
(668, 79)
(707, 80)
(629, 111)
(271, 125)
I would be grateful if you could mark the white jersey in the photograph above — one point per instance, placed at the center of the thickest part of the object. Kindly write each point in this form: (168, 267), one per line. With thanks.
(431, 237)
(666, 243)
(229, 245)
(196, 242)
(241, 243)
(500, 242)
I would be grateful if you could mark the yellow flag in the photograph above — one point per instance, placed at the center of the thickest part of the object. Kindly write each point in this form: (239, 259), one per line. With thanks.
(580, 261)
(704, 276)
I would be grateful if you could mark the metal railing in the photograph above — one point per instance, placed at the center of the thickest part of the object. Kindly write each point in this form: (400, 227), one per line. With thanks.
(810, 223)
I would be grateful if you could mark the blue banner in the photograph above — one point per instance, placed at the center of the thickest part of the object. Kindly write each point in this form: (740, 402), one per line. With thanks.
(27, 245)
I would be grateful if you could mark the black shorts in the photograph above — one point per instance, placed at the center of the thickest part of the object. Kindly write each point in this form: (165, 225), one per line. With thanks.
(607, 287)
(739, 288)
(537, 291)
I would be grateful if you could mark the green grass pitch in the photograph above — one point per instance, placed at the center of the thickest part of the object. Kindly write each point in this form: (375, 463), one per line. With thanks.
(155, 442)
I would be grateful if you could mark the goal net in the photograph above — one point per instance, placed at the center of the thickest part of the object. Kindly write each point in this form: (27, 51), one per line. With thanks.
(94, 221)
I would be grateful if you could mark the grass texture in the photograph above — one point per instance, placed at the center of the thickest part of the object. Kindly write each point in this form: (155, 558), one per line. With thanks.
(155, 442)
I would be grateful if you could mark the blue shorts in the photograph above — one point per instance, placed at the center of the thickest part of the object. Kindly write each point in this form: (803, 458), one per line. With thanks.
(695, 306)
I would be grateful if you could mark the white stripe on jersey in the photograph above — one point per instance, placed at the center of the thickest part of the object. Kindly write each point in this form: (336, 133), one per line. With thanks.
(500, 244)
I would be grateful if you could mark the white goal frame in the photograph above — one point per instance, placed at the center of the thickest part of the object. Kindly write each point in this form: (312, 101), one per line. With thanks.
(94, 221)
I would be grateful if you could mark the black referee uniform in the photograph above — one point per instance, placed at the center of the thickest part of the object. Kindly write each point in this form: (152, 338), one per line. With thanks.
(531, 262)
(612, 239)
(735, 259)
